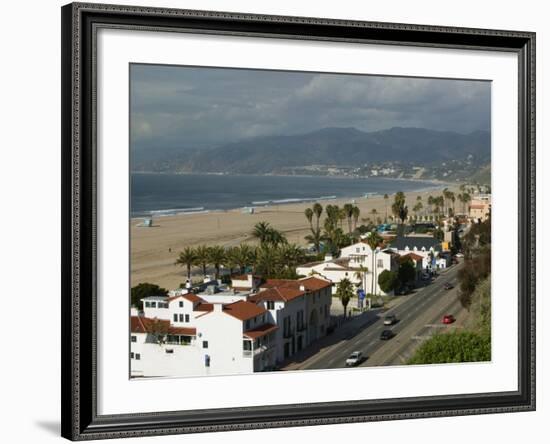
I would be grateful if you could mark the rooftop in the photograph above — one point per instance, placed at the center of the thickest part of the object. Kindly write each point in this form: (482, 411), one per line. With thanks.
(139, 324)
(260, 331)
(310, 283)
(243, 310)
(427, 242)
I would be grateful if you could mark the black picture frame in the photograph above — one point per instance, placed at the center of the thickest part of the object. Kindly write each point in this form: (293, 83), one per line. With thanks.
(80, 420)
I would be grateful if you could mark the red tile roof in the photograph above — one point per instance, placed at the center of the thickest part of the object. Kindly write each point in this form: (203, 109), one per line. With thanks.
(282, 293)
(204, 307)
(139, 324)
(193, 297)
(260, 331)
(413, 256)
(189, 296)
(243, 310)
(310, 283)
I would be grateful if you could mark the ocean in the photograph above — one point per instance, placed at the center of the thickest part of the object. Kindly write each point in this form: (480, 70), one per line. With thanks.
(168, 194)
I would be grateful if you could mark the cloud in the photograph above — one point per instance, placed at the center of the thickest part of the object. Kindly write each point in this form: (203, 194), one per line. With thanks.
(187, 107)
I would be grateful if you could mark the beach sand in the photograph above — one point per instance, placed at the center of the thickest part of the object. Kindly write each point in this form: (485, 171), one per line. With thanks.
(155, 249)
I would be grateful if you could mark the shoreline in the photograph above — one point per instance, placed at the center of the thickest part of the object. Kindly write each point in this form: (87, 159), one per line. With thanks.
(154, 249)
(435, 185)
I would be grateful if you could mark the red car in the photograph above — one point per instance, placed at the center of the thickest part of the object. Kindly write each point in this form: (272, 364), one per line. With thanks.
(448, 319)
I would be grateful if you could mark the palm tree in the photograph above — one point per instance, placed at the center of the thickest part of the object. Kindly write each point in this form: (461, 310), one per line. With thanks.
(348, 211)
(315, 238)
(242, 256)
(417, 208)
(373, 240)
(355, 214)
(267, 260)
(342, 216)
(386, 200)
(345, 293)
(292, 255)
(431, 203)
(187, 258)
(453, 198)
(309, 216)
(317, 210)
(360, 274)
(217, 257)
(202, 252)
(262, 231)
(267, 234)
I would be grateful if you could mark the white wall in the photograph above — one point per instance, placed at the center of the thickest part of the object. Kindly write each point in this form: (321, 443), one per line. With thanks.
(29, 176)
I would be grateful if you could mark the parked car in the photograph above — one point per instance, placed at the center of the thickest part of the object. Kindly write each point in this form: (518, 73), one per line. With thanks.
(448, 319)
(390, 320)
(354, 359)
(386, 334)
(448, 286)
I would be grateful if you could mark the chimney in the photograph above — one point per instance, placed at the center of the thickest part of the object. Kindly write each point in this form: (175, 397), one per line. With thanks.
(328, 257)
(302, 288)
(218, 308)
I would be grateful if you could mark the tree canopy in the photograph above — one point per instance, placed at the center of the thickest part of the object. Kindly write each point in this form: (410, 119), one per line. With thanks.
(463, 346)
(144, 290)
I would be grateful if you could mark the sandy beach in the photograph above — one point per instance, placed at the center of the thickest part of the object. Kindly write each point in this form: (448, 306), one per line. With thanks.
(154, 250)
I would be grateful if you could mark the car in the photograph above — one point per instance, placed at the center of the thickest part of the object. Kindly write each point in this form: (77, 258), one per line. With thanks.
(386, 334)
(448, 286)
(354, 359)
(390, 320)
(448, 319)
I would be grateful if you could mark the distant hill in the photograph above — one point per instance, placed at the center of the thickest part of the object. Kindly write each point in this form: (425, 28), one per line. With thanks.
(328, 146)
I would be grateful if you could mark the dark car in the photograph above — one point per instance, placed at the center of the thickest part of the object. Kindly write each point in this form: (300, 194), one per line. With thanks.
(386, 334)
(448, 286)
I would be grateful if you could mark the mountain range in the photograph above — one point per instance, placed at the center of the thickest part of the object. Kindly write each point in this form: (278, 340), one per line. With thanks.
(327, 146)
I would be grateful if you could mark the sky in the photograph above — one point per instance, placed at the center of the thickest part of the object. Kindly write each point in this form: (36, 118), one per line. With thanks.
(193, 107)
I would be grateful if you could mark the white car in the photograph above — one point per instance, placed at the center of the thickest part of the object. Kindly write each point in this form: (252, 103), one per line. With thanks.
(354, 359)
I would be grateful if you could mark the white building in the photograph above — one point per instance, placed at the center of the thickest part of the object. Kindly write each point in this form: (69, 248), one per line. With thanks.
(300, 309)
(229, 331)
(357, 263)
(428, 247)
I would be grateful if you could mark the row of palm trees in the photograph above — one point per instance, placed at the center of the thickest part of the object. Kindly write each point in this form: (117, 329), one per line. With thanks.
(333, 226)
(273, 257)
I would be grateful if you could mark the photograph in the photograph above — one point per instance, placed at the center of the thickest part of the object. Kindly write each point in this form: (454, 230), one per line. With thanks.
(296, 220)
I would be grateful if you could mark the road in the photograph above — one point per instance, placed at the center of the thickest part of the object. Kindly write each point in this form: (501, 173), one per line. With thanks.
(419, 316)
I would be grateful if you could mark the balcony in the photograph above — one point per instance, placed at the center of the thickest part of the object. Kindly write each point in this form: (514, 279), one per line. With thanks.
(256, 351)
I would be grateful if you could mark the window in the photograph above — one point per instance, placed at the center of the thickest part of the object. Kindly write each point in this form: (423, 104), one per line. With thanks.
(181, 318)
(270, 305)
(357, 250)
(169, 351)
(175, 317)
(247, 345)
(153, 305)
(204, 344)
(138, 356)
(286, 326)
(131, 355)
(247, 325)
(134, 339)
(186, 318)
(147, 304)
(181, 304)
(380, 263)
